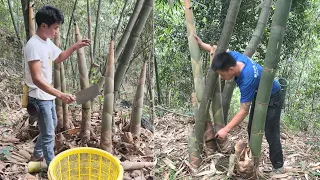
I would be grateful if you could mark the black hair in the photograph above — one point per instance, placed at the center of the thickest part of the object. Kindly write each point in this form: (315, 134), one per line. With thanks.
(223, 61)
(49, 15)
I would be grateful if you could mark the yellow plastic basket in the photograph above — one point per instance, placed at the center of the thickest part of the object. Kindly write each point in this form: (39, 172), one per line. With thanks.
(85, 163)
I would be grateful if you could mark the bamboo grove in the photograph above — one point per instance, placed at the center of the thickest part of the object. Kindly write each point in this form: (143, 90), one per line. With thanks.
(111, 77)
(211, 93)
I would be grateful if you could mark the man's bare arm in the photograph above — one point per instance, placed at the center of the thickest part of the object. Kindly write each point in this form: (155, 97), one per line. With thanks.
(239, 117)
(35, 70)
(65, 54)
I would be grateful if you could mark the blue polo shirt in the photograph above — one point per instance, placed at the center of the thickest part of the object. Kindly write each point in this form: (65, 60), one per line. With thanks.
(249, 78)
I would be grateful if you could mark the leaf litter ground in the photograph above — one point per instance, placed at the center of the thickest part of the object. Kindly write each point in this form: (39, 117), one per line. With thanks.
(301, 153)
(17, 135)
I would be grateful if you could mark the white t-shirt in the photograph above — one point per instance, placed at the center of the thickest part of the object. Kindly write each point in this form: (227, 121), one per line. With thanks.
(45, 51)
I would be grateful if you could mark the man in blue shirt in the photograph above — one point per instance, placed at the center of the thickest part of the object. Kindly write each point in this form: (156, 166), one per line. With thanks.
(247, 75)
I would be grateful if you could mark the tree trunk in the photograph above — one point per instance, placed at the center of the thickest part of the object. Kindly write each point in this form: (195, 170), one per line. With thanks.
(70, 22)
(101, 80)
(127, 32)
(157, 80)
(213, 76)
(250, 49)
(151, 77)
(84, 83)
(25, 12)
(107, 113)
(96, 29)
(67, 124)
(258, 32)
(32, 27)
(193, 144)
(125, 36)
(90, 37)
(278, 27)
(14, 22)
(136, 114)
(132, 41)
(120, 18)
(57, 85)
(194, 51)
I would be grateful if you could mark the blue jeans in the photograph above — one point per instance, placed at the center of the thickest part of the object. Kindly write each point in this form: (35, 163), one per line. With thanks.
(47, 122)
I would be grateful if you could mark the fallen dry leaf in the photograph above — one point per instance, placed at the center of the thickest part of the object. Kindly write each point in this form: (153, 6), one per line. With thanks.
(30, 177)
(10, 139)
(279, 176)
(165, 175)
(169, 163)
(2, 166)
(127, 137)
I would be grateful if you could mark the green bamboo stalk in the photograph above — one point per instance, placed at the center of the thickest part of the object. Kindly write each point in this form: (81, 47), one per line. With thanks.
(96, 29)
(194, 51)
(70, 22)
(25, 12)
(90, 37)
(32, 28)
(125, 36)
(107, 113)
(157, 80)
(259, 30)
(193, 145)
(67, 124)
(14, 22)
(278, 27)
(135, 122)
(249, 51)
(213, 76)
(57, 85)
(216, 107)
(120, 18)
(130, 45)
(84, 83)
(193, 149)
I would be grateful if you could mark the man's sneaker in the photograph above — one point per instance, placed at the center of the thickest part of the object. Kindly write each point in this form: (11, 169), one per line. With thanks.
(279, 170)
(34, 158)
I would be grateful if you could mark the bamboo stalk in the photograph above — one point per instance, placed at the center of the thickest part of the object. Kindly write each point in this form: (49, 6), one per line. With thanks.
(14, 22)
(278, 26)
(132, 41)
(250, 49)
(57, 85)
(96, 29)
(194, 51)
(107, 113)
(31, 20)
(213, 76)
(25, 12)
(90, 37)
(135, 122)
(84, 83)
(127, 31)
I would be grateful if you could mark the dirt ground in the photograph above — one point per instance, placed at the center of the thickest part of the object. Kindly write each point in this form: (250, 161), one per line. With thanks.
(301, 153)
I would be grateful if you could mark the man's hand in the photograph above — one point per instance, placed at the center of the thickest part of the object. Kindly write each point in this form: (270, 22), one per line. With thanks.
(199, 41)
(66, 98)
(82, 43)
(222, 133)
(205, 46)
(65, 54)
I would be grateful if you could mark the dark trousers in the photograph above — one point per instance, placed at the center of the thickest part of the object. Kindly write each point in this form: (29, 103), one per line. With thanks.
(272, 127)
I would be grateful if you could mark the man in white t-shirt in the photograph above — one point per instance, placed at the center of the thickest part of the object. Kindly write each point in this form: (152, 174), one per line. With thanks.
(39, 53)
